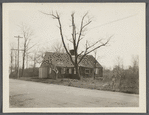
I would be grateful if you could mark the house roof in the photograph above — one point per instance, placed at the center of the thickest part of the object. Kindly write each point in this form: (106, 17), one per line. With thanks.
(63, 60)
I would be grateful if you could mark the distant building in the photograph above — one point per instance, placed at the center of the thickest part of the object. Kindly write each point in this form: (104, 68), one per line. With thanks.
(60, 65)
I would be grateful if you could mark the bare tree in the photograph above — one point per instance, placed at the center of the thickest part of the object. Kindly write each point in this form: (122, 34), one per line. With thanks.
(38, 56)
(77, 36)
(27, 33)
(41, 53)
(134, 70)
(58, 47)
(118, 70)
(135, 63)
(95, 62)
(35, 58)
(13, 58)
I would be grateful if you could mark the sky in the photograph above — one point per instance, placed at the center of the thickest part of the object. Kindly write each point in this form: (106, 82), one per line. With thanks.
(125, 22)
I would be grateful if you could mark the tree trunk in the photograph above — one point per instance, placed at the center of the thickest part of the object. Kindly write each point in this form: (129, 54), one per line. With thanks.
(34, 71)
(120, 82)
(23, 64)
(15, 62)
(78, 72)
(94, 70)
(34, 66)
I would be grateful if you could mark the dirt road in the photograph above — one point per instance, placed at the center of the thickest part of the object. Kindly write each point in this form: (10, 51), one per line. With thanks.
(27, 94)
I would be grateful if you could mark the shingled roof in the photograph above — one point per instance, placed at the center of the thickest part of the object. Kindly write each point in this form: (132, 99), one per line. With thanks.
(63, 60)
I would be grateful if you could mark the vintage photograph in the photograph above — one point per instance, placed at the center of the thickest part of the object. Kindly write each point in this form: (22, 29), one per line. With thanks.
(74, 57)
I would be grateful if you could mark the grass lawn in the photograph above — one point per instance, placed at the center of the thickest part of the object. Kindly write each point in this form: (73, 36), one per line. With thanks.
(84, 83)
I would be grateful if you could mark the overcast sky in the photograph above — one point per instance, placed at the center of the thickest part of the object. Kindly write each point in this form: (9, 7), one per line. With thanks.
(126, 22)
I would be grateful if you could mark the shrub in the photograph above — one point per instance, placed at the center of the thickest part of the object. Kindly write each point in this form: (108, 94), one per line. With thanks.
(29, 72)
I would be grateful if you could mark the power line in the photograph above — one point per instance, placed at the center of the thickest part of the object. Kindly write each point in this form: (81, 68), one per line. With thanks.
(113, 21)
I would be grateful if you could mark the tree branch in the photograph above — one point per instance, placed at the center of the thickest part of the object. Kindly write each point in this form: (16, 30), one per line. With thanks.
(80, 54)
(94, 44)
(31, 47)
(54, 17)
(81, 29)
(61, 32)
(70, 40)
(86, 24)
(103, 44)
(94, 49)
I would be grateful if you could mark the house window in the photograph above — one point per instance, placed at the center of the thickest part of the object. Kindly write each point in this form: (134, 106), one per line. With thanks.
(96, 71)
(70, 71)
(87, 71)
(74, 71)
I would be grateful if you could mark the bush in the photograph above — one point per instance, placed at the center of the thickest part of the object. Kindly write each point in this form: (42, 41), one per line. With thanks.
(130, 82)
(29, 72)
(126, 80)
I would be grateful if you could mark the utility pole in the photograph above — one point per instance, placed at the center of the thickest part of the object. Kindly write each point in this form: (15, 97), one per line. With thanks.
(18, 51)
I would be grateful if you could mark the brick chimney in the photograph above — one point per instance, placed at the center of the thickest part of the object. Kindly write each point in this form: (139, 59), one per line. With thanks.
(72, 52)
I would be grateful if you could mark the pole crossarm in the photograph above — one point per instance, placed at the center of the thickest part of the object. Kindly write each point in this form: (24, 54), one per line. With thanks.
(18, 37)
(17, 49)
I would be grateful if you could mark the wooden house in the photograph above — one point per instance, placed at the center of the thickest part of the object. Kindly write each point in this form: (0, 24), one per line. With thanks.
(59, 65)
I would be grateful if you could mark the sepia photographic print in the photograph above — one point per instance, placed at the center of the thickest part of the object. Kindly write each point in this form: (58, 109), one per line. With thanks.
(74, 57)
